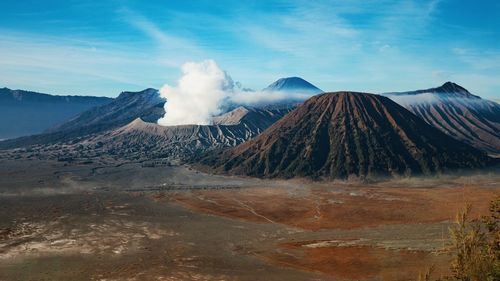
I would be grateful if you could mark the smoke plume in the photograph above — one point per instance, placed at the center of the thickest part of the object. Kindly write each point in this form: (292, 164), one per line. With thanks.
(204, 90)
(198, 96)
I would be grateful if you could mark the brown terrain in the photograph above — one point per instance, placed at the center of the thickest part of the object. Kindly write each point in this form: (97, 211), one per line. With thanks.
(348, 134)
(344, 207)
(127, 221)
(117, 205)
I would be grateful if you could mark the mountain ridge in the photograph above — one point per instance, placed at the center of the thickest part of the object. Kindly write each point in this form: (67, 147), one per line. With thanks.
(146, 104)
(140, 140)
(144, 140)
(26, 95)
(343, 134)
(456, 112)
(447, 88)
(26, 112)
(126, 107)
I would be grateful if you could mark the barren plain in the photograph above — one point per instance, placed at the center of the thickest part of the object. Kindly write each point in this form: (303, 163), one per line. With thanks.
(126, 221)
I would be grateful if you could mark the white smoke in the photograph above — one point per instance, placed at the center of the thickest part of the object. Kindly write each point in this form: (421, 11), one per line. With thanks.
(204, 89)
(198, 96)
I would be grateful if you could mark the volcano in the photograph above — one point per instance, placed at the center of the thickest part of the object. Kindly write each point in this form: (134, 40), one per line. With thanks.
(292, 84)
(457, 113)
(294, 89)
(149, 140)
(344, 134)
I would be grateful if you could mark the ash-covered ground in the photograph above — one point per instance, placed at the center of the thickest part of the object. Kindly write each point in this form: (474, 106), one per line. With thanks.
(131, 221)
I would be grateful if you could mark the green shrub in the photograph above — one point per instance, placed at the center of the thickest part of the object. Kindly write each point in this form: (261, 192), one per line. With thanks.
(475, 246)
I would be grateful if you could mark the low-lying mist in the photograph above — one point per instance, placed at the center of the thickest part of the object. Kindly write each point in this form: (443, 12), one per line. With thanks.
(433, 98)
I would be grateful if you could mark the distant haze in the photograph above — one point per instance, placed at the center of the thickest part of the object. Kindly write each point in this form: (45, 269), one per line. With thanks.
(26, 113)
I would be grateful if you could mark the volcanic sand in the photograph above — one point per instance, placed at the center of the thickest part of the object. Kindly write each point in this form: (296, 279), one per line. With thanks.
(126, 222)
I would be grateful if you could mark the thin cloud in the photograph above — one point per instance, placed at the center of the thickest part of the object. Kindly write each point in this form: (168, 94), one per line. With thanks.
(374, 46)
(64, 61)
(163, 39)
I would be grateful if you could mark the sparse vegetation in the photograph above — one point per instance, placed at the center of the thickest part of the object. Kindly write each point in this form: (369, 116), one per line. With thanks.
(475, 247)
(427, 275)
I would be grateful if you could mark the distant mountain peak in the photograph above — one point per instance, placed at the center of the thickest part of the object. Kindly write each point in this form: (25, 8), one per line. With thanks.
(137, 121)
(138, 125)
(449, 89)
(453, 88)
(450, 84)
(292, 84)
(149, 92)
(232, 117)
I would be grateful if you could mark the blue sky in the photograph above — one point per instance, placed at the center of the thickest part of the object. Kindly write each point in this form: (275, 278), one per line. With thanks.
(105, 47)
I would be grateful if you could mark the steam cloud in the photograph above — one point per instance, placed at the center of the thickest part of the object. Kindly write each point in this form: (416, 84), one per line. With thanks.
(204, 89)
(198, 96)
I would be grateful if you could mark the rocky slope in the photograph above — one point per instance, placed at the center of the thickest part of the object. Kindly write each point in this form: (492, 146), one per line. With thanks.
(140, 140)
(344, 134)
(143, 140)
(254, 119)
(457, 113)
(146, 104)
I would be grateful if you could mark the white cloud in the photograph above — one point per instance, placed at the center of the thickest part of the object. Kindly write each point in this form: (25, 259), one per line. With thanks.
(407, 100)
(204, 88)
(265, 98)
(172, 50)
(198, 96)
(52, 63)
